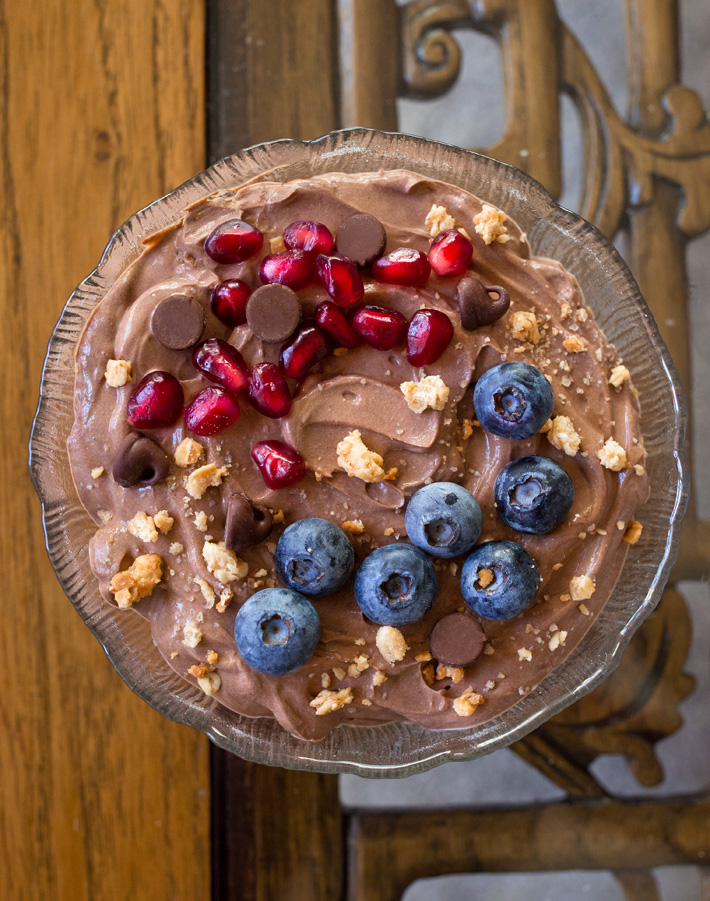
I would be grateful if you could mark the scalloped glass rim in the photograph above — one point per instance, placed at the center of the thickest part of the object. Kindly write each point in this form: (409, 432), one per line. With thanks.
(398, 749)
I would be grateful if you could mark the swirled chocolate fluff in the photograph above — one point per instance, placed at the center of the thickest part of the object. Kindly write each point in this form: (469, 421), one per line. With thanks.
(173, 457)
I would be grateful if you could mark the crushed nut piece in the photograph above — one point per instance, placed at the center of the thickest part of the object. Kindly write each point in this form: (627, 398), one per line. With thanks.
(207, 476)
(612, 455)
(188, 452)
(105, 516)
(339, 673)
(366, 702)
(192, 633)
(378, 678)
(619, 375)
(357, 460)
(581, 588)
(325, 680)
(200, 521)
(118, 373)
(524, 654)
(177, 548)
(223, 563)
(327, 701)
(360, 642)
(163, 521)
(583, 609)
(564, 436)
(354, 526)
(143, 527)
(638, 469)
(467, 703)
(391, 644)
(523, 326)
(276, 244)
(207, 591)
(444, 671)
(138, 581)
(633, 533)
(429, 392)
(575, 344)
(210, 683)
(489, 225)
(97, 472)
(438, 220)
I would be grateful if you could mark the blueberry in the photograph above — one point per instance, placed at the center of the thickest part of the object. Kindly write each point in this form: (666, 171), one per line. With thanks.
(396, 585)
(499, 580)
(513, 400)
(315, 557)
(277, 631)
(533, 494)
(443, 519)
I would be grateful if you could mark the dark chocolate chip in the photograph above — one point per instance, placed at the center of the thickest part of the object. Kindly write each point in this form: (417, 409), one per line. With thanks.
(177, 322)
(457, 639)
(247, 524)
(361, 238)
(476, 306)
(273, 312)
(140, 462)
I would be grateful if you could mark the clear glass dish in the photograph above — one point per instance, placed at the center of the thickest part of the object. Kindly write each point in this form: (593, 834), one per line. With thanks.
(397, 749)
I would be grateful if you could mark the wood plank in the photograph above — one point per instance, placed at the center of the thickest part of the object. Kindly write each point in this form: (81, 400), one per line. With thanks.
(101, 111)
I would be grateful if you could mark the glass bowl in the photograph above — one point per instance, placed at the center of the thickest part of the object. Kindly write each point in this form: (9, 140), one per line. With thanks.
(398, 749)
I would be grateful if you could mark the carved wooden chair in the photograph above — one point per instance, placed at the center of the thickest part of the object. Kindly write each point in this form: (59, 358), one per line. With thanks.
(282, 835)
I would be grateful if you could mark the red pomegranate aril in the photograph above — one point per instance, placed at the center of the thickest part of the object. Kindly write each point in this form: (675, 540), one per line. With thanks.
(156, 401)
(429, 334)
(313, 237)
(279, 464)
(309, 346)
(211, 411)
(332, 320)
(341, 279)
(221, 363)
(293, 268)
(381, 328)
(229, 301)
(233, 242)
(268, 391)
(404, 266)
(450, 253)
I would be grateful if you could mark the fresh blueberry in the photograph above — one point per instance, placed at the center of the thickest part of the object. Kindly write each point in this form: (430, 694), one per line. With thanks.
(513, 400)
(443, 519)
(315, 557)
(277, 631)
(499, 580)
(396, 585)
(533, 494)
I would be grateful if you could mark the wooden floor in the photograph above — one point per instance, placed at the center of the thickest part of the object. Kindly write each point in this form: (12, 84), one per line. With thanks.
(101, 111)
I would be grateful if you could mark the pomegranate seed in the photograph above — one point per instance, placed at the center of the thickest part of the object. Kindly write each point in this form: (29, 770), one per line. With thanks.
(233, 242)
(229, 301)
(293, 268)
(313, 237)
(268, 391)
(404, 266)
(450, 253)
(428, 336)
(381, 328)
(279, 464)
(309, 346)
(221, 363)
(340, 279)
(330, 318)
(211, 411)
(157, 401)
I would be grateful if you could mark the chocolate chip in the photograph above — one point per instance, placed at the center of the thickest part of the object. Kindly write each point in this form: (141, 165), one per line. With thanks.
(247, 524)
(140, 462)
(177, 322)
(457, 639)
(273, 312)
(361, 238)
(476, 306)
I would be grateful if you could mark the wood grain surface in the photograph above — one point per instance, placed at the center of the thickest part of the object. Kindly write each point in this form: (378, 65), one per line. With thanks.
(101, 111)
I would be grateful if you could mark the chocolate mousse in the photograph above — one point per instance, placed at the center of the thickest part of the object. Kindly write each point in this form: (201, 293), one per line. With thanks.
(395, 293)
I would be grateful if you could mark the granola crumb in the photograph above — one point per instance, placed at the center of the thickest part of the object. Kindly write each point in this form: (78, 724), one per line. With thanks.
(620, 525)
(424, 657)
(360, 642)
(467, 703)
(173, 655)
(278, 517)
(564, 436)
(391, 644)
(467, 428)
(207, 476)
(489, 225)
(428, 392)
(143, 527)
(97, 472)
(325, 680)
(575, 344)
(612, 455)
(207, 591)
(523, 326)
(223, 563)
(200, 521)
(225, 599)
(200, 670)
(276, 244)
(177, 548)
(429, 673)
(524, 654)
(138, 581)
(357, 460)
(192, 633)
(327, 701)
(485, 577)
(619, 375)
(581, 588)
(378, 678)
(638, 469)
(389, 531)
(557, 640)
(339, 673)
(556, 567)
(444, 671)
(118, 373)
(354, 526)
(438, 219)
(633, 533)
(212, 656)
(366, 702)
(105, 516)
(488, 649)
(188, 452)
(583, 609)
(163, 521)
(340, 351)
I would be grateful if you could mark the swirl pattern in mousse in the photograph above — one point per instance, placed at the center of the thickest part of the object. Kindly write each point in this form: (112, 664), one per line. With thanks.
(161, 524)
